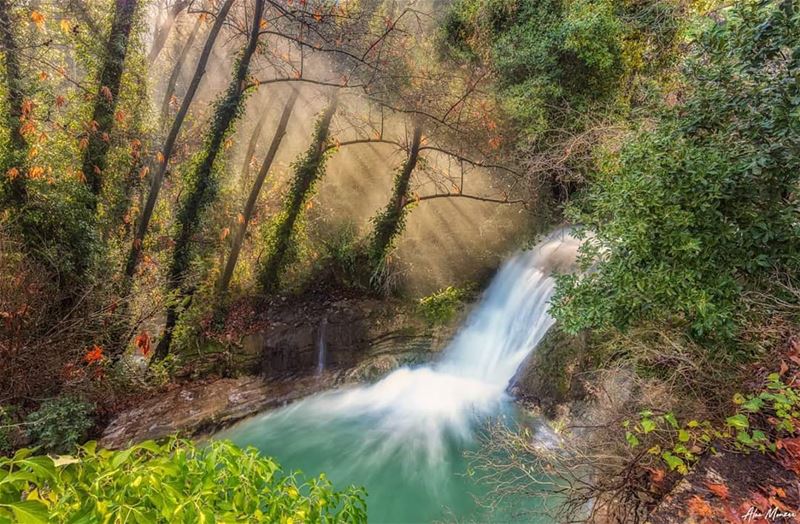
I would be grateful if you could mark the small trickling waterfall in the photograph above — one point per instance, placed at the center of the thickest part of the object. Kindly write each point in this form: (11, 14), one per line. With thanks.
(323, 327)
(404, 436)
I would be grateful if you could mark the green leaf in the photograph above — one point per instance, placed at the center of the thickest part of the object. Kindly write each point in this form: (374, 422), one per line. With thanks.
(42, 466)
(753, 405)
(29, 512)
(672, 461)
(670, 418)
(631, 438)
(648, 425)
(683, 435)
(65, 460)
(738, 421)
(121, 457)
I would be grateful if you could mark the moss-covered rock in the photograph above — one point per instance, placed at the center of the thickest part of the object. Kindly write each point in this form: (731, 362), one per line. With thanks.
(550, 375)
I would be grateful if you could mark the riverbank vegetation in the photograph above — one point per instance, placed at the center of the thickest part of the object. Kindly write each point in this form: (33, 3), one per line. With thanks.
(168, 166)
(689, 283)
(170, 482)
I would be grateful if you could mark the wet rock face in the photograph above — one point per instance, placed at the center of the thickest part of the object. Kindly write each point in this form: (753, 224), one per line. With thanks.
(342, 334)
(548, 377)
(364, 340)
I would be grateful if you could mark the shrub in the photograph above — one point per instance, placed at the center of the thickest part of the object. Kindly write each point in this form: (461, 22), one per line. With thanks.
(60, 424)
(343, 255)
(704, 205)
(171, 482)
(442, 306)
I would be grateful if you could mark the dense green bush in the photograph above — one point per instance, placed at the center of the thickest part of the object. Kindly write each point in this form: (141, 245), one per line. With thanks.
(554, 59)
(343, 254)
(60, 424)
(173, 482)
(441, 307)
(691, 213)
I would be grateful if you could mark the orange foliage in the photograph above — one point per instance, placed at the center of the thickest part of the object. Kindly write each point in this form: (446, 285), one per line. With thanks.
(720, 490)
(143, 343)
(700, 508)
(94, 355)
(38, 19)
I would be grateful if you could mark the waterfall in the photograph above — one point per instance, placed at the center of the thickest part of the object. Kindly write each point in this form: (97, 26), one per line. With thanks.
(512, 316)
(323, 325)
(404, 435)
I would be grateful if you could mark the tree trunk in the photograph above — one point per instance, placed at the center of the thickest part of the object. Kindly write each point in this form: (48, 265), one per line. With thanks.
(251, 146)
(163, 29)
(201, 190)
(15, 99)
(389, 223)
(94, 156)
(169, 143)
(308, 170)
(176, 72)
(247, 214)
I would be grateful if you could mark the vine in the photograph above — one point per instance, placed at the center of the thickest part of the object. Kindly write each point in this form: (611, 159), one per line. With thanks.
(280, 234)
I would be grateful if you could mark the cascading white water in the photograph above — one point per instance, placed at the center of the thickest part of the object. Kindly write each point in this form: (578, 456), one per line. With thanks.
(323, 325)
(404, 435)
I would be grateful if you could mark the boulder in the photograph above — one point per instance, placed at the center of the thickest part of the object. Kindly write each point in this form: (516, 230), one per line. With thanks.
(549, 377)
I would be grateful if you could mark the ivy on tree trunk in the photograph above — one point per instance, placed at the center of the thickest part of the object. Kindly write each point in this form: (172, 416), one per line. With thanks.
(308, 170)
(389, 223)
(12, 167)
(169, 143)
(202, 186)
(102, 123)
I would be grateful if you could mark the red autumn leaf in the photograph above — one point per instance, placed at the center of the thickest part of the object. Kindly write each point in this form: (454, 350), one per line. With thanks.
(94, 355)
(791, 445)
(38, 19)
(720, 490)
(142, 342)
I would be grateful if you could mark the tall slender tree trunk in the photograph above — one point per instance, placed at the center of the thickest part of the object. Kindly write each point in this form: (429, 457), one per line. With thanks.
(14, 112)
(388, 223)
(252, 144)
(309, 169)
(250, 205)
(94, 156)
(169, 143)
(163, 29)
(201, 191)
(169, 91)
